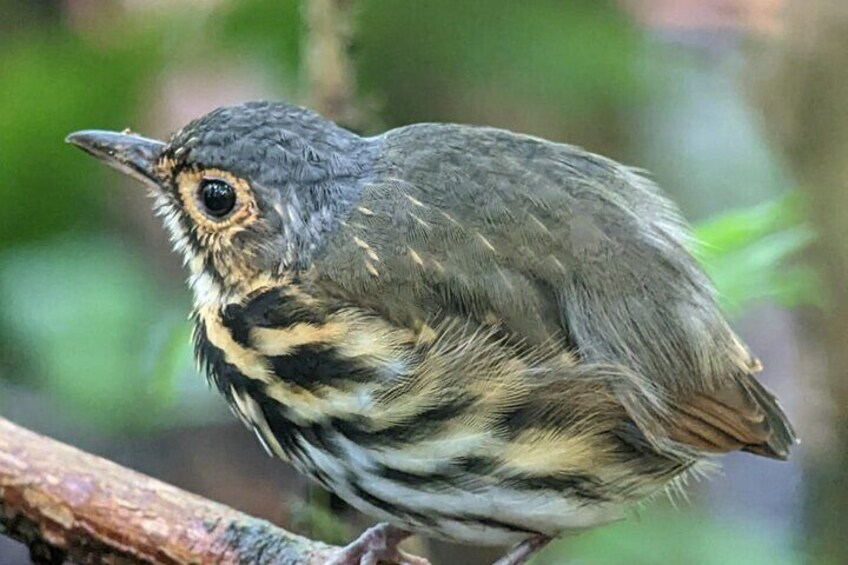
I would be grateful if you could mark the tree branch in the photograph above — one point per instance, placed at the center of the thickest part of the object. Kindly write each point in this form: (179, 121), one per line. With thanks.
(805, 100)
(329, 71)
(64, 503)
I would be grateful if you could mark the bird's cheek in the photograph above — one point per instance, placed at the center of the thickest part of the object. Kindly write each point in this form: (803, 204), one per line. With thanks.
(196, 264)
(235, 261)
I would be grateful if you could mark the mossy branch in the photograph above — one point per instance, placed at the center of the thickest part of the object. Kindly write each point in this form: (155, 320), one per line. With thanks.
(67, 504)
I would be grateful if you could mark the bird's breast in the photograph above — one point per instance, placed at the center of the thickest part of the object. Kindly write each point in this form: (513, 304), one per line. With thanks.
(310, 404)
(426, 433)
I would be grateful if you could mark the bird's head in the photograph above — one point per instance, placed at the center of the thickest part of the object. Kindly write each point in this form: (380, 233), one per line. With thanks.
(248, 193)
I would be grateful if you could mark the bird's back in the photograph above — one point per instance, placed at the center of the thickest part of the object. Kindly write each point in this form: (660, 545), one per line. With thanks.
(551, 244)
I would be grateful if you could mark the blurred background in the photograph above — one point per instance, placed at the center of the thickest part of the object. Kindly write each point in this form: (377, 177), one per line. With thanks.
(736, 106)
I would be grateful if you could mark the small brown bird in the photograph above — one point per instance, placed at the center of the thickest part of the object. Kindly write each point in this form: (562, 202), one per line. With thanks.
(465, 332)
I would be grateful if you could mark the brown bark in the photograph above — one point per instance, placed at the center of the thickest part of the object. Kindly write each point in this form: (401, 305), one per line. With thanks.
(329, 71)
(67, 504)
(805, 104)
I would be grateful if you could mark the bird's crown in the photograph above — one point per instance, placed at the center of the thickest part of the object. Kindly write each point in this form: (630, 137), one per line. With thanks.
(247, 192)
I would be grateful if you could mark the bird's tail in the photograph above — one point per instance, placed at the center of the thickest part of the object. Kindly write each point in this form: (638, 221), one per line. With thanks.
(781, 435)
(740, 415)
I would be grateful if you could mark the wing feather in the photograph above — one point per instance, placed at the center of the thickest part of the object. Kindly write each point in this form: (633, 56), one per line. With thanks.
(551, 244)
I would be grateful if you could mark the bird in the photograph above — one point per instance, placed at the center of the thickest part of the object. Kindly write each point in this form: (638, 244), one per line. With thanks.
(463, 332)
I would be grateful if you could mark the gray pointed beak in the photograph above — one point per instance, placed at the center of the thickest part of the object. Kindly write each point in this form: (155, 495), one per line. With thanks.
(131, 154)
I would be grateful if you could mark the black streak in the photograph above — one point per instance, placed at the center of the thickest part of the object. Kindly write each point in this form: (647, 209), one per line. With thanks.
(420, 426)
(488, 522)
(392, 508)
(222, 373)
(292, 437)
(314, 366)
(269, 309)
(470, 473)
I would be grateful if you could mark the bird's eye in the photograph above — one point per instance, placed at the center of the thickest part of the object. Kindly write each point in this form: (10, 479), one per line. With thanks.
(218, 197)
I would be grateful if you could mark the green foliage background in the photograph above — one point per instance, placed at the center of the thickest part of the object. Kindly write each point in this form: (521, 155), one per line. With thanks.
(84, 321)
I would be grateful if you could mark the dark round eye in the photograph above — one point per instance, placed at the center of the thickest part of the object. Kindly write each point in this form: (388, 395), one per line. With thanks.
(218, 197)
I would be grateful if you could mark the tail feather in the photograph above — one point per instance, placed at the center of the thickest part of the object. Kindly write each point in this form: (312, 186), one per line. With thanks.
(782, 436)
(742, 415)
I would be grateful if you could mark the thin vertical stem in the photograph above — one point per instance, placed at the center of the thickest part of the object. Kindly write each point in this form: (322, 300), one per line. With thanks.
(329, 71)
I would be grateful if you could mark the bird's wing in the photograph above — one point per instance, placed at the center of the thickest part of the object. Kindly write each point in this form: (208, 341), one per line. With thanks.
(550, 244)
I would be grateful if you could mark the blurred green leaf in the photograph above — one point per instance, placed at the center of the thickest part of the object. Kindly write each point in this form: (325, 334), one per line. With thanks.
(672, 538)
(270, 29)
(735, 229)
(574, 57)
(87, 315)
(749, 255)
(168, 353)
(316, 519)
(53, 83)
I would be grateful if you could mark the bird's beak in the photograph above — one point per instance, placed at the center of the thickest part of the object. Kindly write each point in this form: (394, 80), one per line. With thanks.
(130, 154)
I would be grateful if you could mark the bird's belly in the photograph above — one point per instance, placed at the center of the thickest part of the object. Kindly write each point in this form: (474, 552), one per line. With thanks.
(458, 507)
